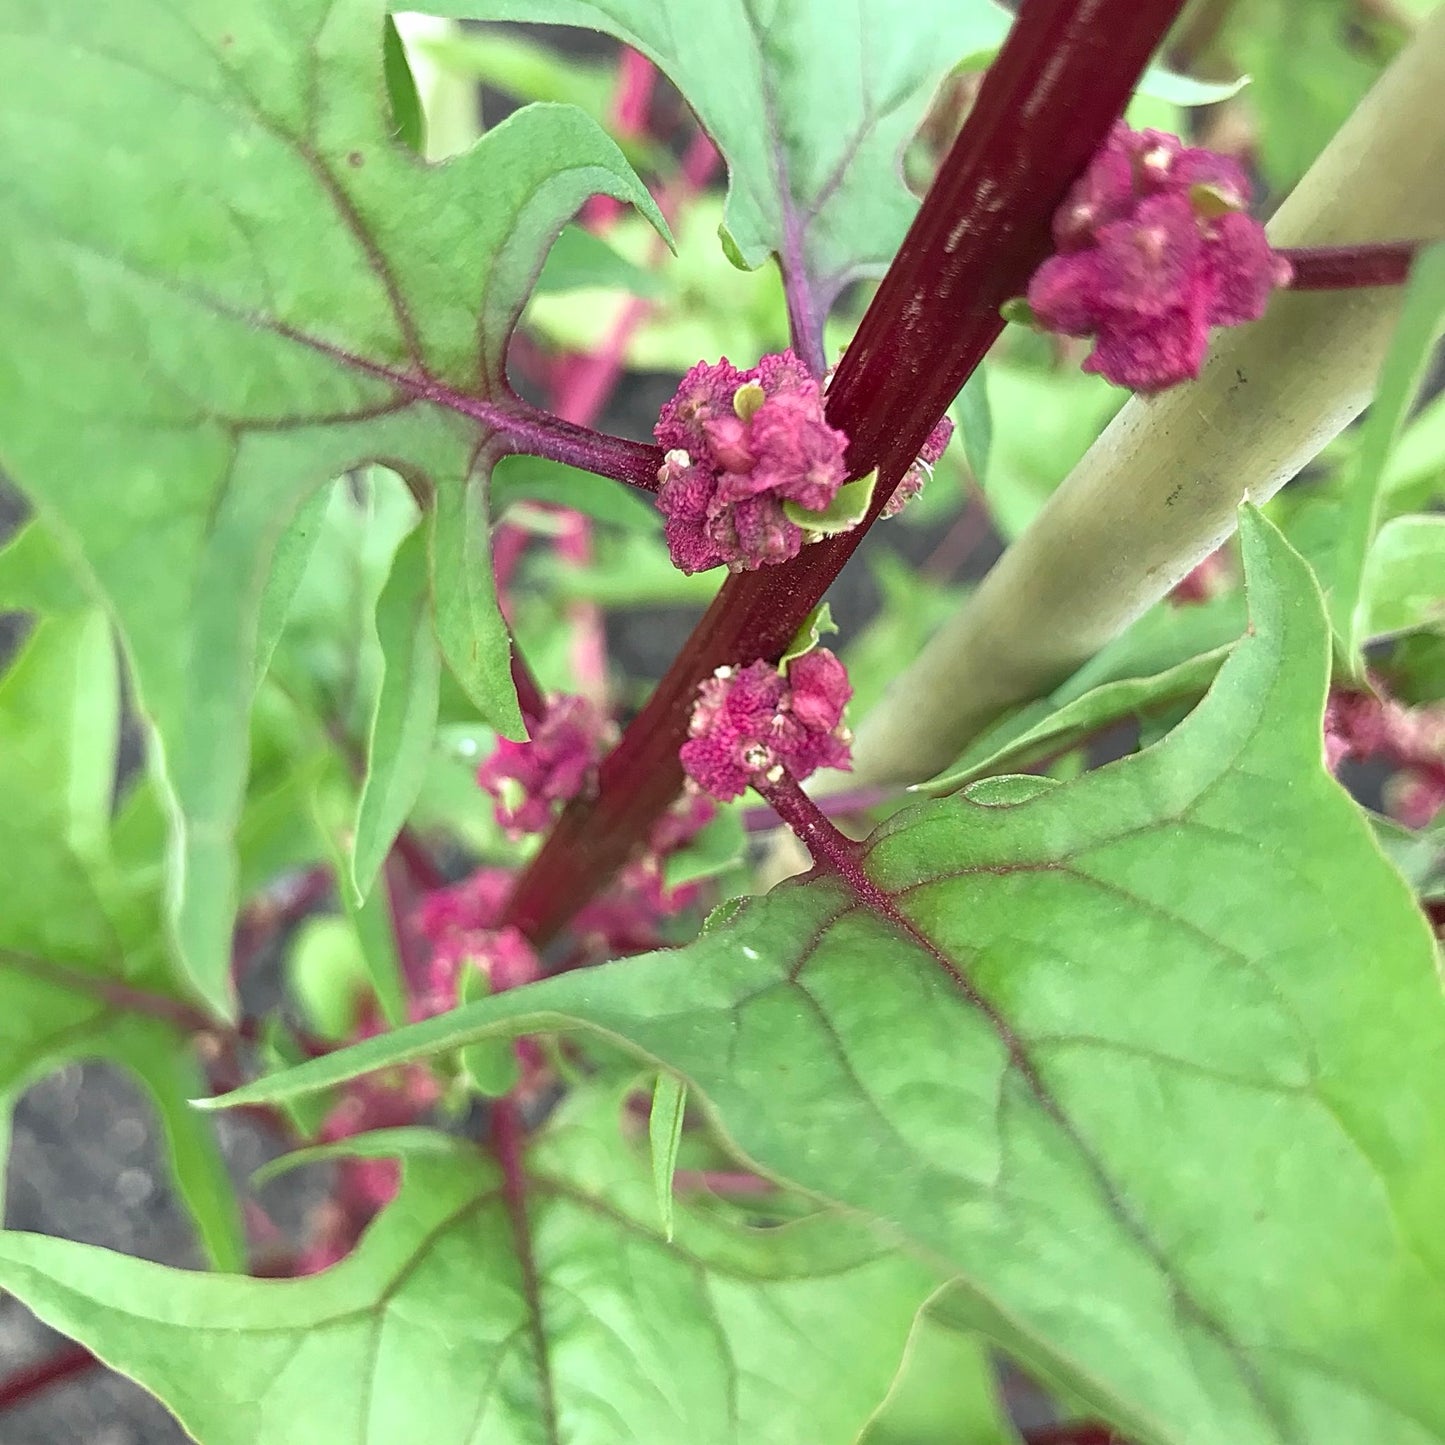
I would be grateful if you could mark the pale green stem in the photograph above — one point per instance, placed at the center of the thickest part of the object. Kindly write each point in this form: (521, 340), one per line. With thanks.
(1160, 488)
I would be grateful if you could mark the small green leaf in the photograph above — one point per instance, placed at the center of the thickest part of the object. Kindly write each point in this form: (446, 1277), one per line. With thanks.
(327, 976)
(1421, 316)
(1185, 90)
(370, 918)
(1415, 472)
(470, 628)
(1403, 587)
(946, 1394)
(403, 727)
(289, 565)
(519, 479)
(172, 1077)
(35, 576)
(817, 625)
(848, 507)
(1019, 741)
(975, 423)
(408, 122)
(490, 1065)
(580, 259)
(664, 1135)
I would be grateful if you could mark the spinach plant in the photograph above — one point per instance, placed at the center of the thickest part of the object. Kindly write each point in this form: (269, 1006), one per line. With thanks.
(1065, 1062)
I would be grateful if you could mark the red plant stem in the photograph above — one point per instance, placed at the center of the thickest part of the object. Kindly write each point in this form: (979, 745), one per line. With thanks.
(272, 913)
(530, 698)
(969, 530)
(1044, 108)
(508, 1136)
(835, 805)
(418, 861)
(65, 1364)
(1342, 268)
(831, 851)
(541, 434)
(1073, 1432)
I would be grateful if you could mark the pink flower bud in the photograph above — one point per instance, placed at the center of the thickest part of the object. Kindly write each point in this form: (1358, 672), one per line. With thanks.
(740, 444)
(917, 475)
(1153, 250)
(553, 766)
(751, 721)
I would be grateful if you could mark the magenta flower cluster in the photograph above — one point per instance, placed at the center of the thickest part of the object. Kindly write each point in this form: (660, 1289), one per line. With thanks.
(1153, 249)
(1364, 725)
(738, 445)
(921, 470)
(755, 723)
(554, 765)
(461, 925)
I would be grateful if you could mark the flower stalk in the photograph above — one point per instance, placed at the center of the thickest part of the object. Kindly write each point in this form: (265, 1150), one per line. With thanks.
(1048, 101)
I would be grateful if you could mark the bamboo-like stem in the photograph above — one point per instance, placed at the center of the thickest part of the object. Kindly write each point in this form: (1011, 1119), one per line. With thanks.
(65, 1364)
(1342, 268)
(1161, 488)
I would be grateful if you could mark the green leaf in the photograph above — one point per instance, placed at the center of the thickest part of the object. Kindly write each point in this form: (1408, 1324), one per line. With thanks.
(327, 976)
(561, 1316)
(975, 423)
(1415, 472)
(1311, 64)
(1111, 1054)
(491, 1066)
(1422, 314)
(817, 625)
(703, 306)
(172, 1078)
(664, 1134)
(403, 726)
(470, 628)
(849, 506)
(518, 480)
(1021, 740)
(1185, 90)
(946, 1394)
(408, 122)
(370, 917)
(289, 565)
(81, 963)
(629, 571)
(810, 114)
(35, 576)
(580, 259)
(1403, 586)
(236, 285)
